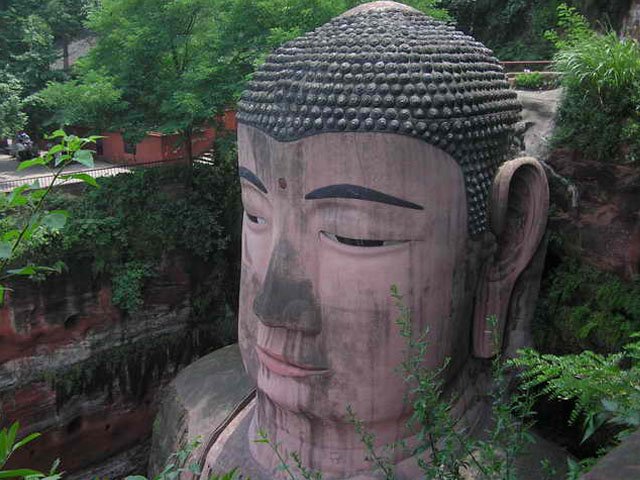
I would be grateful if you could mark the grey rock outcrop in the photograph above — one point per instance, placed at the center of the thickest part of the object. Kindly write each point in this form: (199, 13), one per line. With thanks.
(199, 403)
(539, 110)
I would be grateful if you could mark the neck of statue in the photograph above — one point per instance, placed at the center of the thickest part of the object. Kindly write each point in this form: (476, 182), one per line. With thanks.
(334, 448)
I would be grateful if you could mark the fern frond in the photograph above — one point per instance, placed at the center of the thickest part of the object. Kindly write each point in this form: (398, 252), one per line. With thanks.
(591, 380)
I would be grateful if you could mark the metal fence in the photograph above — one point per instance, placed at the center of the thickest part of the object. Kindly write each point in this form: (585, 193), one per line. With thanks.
(44, 181)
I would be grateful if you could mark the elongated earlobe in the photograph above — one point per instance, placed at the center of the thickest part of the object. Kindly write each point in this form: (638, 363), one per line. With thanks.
(519, 206)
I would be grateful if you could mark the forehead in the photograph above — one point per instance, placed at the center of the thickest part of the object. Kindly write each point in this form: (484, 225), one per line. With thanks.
(397, 165)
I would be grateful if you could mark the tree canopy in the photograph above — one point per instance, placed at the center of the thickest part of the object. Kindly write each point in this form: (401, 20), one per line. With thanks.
(29, 30)
(169, 65)
(12, 118)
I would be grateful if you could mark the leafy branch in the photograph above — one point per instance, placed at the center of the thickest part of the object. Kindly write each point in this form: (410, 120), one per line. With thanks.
(283, 465)
(9, 445)
(68, 150)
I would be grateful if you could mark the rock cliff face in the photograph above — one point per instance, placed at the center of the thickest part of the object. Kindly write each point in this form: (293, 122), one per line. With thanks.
(631, 24)
(603, 230)
(595, 205)
(74, 367)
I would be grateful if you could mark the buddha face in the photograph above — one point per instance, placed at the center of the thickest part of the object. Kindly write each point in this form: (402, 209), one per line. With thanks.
(331, 222)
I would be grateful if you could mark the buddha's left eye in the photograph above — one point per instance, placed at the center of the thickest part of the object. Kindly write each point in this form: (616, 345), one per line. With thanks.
(256, 219)
(360, 242)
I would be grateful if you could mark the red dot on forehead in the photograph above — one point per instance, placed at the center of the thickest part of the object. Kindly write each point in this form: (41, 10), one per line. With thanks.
(282, 183)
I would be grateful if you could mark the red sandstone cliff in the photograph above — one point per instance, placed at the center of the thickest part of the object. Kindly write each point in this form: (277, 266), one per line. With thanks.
(74, 367)
(604, 229)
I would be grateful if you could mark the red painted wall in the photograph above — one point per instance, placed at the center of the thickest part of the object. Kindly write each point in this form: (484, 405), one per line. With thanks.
(230, 121)
(156, 147)
(148, 150)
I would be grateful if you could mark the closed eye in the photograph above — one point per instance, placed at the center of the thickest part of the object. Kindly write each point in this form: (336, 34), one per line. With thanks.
(360, 242)
(255, 219)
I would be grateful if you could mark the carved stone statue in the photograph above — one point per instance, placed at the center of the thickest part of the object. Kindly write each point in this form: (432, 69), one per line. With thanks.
(372, 153)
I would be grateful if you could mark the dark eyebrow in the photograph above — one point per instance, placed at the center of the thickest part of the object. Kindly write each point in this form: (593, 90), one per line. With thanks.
(252, 177)
(359, 193)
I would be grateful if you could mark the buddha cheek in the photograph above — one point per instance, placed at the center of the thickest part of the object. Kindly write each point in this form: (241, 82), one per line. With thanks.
(247, 323)
(358, 316)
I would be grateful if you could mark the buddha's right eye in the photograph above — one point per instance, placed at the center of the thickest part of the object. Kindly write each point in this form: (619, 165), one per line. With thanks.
(360, 242)
(255, 219)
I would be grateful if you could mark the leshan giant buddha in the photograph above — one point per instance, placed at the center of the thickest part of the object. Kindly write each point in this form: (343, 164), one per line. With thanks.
(370, 154)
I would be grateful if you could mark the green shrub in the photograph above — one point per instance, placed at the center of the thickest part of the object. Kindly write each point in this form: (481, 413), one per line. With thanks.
(530, 81)
(602, 64)
(512, 28)
(128, 283)
(129, 227)
(581, 308)
(599, 109)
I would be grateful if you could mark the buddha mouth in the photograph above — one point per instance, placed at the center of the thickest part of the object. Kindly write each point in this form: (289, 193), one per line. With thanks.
(286, 368)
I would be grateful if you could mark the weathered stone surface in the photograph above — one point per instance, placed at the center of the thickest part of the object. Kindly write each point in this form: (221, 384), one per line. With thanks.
(622, 463)
(198, 403)
(343, 199)
(631, 24)
(386, 67)
(596, 203)
(538, 112)
(604, 229)
(76, 368)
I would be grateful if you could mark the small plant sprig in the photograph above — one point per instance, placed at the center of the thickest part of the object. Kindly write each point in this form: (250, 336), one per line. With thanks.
(173, 469)
(230, 475)
(177, 464)
(513, 417)
(368, 439)
(284, 466)
(68, 150)
(448, 448)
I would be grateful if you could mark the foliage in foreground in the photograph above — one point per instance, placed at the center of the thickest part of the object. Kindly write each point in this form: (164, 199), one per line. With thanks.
(176, 465)
(28, 222)
(9, 445)
(447, 450)
(604, 388)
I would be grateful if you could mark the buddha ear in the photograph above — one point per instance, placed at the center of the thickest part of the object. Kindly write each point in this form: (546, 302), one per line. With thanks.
(518, 207)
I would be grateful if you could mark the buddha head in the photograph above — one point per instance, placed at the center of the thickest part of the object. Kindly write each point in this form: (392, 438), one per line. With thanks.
(373, 152)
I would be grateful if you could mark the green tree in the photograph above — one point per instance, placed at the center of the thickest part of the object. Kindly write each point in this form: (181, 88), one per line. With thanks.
(178, 62)
(29, 33)
(155, 57)
(26, 51)
(66, 19)
(12, 118)
(515, 29)
(26, 43)
(93, 101)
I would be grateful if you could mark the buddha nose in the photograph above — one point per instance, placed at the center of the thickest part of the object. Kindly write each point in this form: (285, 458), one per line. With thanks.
(286, 299)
